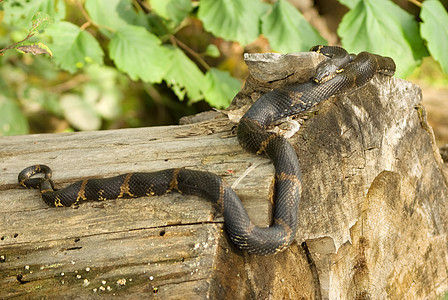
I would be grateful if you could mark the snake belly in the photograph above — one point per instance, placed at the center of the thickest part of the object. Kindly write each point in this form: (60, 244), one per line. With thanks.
(252, 136)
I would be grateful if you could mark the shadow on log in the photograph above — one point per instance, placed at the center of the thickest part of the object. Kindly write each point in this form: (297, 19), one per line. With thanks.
(372, 224)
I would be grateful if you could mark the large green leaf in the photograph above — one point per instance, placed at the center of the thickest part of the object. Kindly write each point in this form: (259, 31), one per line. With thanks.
(138, 53)
(287, 30)
(434, 30)
(381, 27)
(12, 121)
(220, 88)
(72, 47)
(20, 12)
(174, 10)
(113, 14)
(235, 20)
(183, 76)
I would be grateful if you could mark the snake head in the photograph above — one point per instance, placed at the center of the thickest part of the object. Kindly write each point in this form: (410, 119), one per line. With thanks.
(329, 68)
(326, 70)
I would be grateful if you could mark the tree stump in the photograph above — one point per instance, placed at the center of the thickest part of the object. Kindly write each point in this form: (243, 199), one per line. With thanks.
(372, 224)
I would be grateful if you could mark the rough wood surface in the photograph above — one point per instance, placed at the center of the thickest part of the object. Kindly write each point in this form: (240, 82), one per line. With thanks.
(170, 246)
(372, 224)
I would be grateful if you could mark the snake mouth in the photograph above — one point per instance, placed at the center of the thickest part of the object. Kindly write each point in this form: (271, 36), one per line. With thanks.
(324, 79)
(327, 77)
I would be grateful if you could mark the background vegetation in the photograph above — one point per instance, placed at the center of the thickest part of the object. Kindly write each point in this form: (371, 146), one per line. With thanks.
(93, 64)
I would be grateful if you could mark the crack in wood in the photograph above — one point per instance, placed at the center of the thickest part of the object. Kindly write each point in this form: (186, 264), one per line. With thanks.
(72, 248)
(315, 274)
(281, 79)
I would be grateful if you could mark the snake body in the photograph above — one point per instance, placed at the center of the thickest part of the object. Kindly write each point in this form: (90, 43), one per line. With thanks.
(350, 72)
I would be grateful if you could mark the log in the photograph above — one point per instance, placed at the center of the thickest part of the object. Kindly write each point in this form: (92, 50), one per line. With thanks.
(372, 221)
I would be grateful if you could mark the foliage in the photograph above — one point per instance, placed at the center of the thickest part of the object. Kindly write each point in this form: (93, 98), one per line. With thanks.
(102, 50)
(287, 30)
(434, 29)
(376, 19)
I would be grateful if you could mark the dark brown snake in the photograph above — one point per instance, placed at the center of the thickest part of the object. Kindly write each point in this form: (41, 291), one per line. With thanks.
(341, 73)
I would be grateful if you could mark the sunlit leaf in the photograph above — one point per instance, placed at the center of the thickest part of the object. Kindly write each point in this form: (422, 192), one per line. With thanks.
(138, 53)
(114, 14)
(20, 12)
(174, 10)
(12, 120)
(183, 76)
(235, 20)
(381, 27)
(41, 21)
(80, 114)
(434, 30)
(287, 30)
(72, 47)
(102, 91)
(220, 88)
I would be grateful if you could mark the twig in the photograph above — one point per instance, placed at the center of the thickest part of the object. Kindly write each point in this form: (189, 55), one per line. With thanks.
(69, 84)
(85, 25)
(89, 20)
(193, 53)
(30, 34)
(143, 6)
(415, 2)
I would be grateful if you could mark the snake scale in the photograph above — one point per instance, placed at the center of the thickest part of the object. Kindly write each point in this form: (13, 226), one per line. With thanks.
(339, 74)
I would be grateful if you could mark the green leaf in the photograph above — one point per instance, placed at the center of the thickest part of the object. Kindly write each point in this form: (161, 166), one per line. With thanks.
(220, 88)
(235, 20)
(365, 27)
(12, 121)
(212, 51)
(174, 10)
(113, 14)
(349, 3)
(41, 21)
(138, 53)
(159, 26)
(287, 30)
(183, 76)
(434, 30)
(20, 12)
(72, 47)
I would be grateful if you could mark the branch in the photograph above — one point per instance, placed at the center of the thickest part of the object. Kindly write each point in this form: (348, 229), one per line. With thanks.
(89, 20)
(30, 34)
(415, 2)
(69, 84)
(193, 53)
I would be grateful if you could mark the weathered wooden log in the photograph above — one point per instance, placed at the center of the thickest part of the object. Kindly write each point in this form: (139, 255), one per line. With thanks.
(373, 219)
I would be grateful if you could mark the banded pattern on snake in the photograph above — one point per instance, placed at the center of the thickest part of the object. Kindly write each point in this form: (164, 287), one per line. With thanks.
(341, 73)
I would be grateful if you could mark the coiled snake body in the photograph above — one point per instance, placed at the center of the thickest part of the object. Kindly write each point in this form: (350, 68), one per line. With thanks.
(341, 73)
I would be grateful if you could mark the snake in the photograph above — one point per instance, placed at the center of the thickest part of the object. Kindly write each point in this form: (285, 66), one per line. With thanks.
(340, 73)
